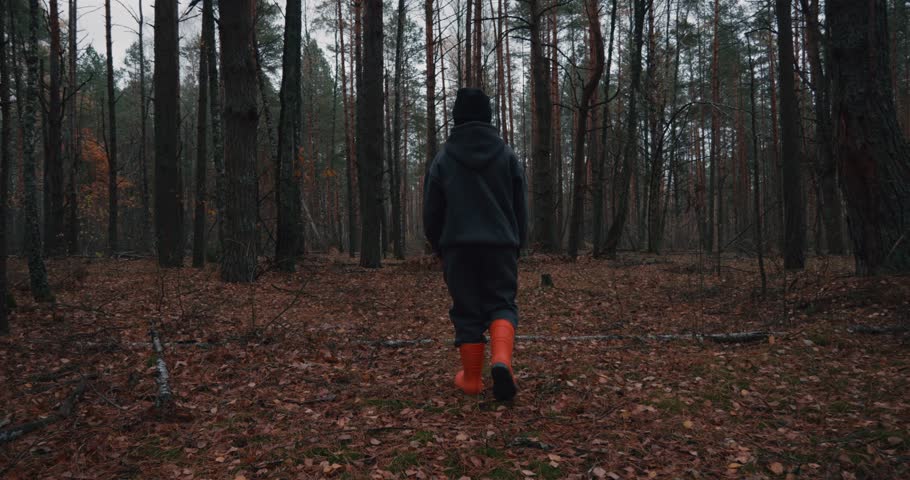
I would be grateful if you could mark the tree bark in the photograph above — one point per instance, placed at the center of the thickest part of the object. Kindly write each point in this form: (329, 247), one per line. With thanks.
(544, 205)
(37, 271)
(168, 178)
(468, 52)
(827, 171)
(601, 162)
(870, 151)
(596, 67)
(794, 206)
(112, 139)
(370, 134)
(349, 143)
(395, 178)
(5, 161)
(241, 122)
(756, 192)
(289, 236)
(630, 156)
(199, 223)
(143, 140)
(431, 139)
(53, 160)
(214, 84)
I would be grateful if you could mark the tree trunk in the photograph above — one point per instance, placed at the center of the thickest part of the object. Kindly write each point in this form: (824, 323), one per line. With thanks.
(241, 122)
(53, 160)
(112, 140)
(794, 206)
(756, 192)
(201, 158)
(37, 271)
(432, 145)
(289, 236)
(544, 205)
(5, 161)
(630, 156)
(500, 74)
(143, 141)
(349, 143)
(395, 179)
(208, 31)
(370, 134)
(168, 178)
(601, 162)
(468, 39)
(576, 235)
(478, 43)
(831, 205)
(656, 106)
(870, 152)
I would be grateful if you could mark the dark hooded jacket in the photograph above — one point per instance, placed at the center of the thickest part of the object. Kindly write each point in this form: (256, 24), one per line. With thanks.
(474, 192)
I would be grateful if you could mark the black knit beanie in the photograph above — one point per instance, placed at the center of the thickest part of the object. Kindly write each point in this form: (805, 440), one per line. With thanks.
(472, 105)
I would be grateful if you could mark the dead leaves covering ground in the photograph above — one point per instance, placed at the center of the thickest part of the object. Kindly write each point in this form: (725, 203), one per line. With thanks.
(278, 380)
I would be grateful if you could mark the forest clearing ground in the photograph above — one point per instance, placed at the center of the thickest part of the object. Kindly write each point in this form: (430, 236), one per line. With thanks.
(279, 379)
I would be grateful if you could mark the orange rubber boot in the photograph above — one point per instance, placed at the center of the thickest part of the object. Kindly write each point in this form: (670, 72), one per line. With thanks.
(502, 341)
(469, 378)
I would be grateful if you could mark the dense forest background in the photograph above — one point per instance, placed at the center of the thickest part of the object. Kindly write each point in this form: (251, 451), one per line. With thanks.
(654, 125)
(191, 234)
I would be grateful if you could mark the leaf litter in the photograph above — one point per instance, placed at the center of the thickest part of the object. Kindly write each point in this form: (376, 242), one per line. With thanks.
(294, 376)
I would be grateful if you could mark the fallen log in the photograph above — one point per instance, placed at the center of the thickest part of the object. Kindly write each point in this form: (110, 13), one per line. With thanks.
(65, 410)
(165, 398)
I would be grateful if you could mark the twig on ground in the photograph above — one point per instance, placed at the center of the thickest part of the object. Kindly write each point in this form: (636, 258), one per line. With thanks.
(65, 410)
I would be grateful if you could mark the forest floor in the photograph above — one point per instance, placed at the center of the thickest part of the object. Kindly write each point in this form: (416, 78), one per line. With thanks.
(288, 378)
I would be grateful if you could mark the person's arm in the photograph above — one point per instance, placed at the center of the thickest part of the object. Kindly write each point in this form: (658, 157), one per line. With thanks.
(434, 207)
(520, 201)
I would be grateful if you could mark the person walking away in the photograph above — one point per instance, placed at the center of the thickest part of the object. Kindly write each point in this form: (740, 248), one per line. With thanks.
(475, 218)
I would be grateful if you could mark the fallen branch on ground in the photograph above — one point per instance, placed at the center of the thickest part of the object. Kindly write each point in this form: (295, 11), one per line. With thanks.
(164, 401)
(396, 343)
(878, 330)
(738, 337)
(65, 410)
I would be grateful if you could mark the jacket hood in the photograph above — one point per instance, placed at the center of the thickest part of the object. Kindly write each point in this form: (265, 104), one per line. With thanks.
(475, 144)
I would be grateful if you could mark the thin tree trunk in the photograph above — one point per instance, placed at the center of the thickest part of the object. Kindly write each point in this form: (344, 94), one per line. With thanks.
(544, 206)
(349, 142)
(596, 63)
(112, 141)
(214, 84)
(478, 40)
(432, 144)
(199, 223)
(601, 161)
(37, 271)
(831, 205)
(794, 206)
(289, 238)
(5, 161)
(53, 160)
(631, 142)
(168, 178)
(468, 57)
(756, 192)
(395, 178)
(143, 141)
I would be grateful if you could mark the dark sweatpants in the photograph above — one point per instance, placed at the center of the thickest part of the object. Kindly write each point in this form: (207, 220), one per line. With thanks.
(483, 282)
